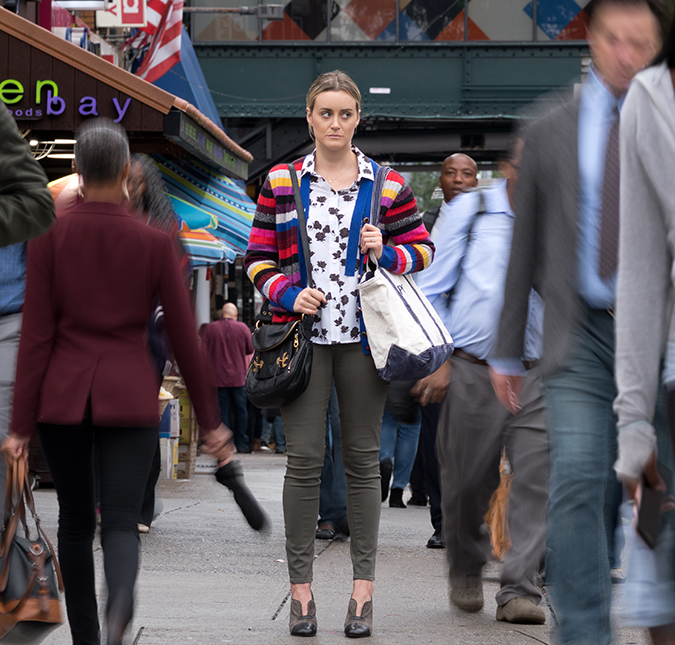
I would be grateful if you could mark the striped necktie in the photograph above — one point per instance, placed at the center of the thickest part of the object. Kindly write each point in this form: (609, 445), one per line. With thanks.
(609, 217)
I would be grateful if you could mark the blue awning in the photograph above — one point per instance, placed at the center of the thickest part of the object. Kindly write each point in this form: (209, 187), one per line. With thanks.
(186, 80)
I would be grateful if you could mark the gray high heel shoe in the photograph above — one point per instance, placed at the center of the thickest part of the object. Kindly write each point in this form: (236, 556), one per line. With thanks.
(359, 626)
(299, 624)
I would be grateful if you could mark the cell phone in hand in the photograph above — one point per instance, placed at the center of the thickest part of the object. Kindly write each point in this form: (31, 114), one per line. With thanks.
(649, 520)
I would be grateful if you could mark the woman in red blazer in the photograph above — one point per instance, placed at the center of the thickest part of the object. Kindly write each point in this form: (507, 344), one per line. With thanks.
(84, 374)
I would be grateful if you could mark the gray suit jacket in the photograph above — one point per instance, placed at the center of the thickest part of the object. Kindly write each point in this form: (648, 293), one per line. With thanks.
(545, 234)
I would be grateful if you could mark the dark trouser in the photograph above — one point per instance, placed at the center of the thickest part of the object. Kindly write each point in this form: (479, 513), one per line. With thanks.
(430, 414)
(582, 485)
(10, 332)
(361, 395)
(472, 430)
(234, 398)
(148, 507)
(333, 492)
(417, 485)
(125, 455)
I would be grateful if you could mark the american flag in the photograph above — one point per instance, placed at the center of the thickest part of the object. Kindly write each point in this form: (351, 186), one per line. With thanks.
(162, 36)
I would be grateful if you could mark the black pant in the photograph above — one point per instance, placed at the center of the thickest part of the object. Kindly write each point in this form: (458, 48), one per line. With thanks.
(125, 455)
(430, 415)
(148, 507)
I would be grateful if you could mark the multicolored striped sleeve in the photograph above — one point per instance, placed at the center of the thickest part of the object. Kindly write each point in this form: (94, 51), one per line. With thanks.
(413, 250)
(262, 256)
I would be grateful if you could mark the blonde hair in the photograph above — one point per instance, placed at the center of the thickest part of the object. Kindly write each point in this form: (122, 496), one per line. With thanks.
(335, 81)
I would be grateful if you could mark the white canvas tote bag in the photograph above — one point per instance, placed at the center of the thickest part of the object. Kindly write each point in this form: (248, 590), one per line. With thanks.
(406, 337)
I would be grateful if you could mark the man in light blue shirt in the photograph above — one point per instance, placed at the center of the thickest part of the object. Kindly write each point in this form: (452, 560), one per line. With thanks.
(465, 284)
(565, 244)
(459, 174)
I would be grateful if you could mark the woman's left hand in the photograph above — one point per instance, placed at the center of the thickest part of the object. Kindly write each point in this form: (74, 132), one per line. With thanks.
(371, 240)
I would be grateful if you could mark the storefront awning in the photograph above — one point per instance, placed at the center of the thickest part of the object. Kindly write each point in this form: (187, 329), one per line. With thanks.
(204, 249)
(194, 185)
(51, 86)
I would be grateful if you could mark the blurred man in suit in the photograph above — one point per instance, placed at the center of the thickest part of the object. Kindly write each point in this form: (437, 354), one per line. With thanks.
(565, 245)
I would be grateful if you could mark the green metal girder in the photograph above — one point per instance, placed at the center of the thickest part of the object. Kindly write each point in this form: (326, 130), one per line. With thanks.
(426, 80)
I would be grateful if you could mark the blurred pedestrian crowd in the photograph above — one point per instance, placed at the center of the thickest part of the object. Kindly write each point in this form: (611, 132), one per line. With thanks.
(555, 411)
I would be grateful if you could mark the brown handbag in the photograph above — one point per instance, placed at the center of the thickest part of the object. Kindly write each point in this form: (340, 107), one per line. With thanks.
(30, 578)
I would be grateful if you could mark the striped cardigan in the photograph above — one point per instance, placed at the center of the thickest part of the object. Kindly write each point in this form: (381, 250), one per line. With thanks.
(272, 259)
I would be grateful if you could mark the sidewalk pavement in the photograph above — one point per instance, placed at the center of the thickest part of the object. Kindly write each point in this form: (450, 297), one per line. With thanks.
(207, 578)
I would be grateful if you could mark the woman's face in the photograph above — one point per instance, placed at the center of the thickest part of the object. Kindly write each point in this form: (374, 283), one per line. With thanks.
(334, 119)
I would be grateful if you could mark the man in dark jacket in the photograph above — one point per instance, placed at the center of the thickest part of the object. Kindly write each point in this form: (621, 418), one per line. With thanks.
(26, 205)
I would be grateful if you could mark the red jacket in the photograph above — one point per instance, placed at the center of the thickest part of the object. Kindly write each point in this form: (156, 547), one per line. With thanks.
(91, 282)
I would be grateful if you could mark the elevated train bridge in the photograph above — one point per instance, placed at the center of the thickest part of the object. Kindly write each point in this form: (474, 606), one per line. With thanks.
(435, 79)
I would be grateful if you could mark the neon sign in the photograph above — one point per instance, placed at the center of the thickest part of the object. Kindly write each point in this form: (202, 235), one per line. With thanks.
(47, 91)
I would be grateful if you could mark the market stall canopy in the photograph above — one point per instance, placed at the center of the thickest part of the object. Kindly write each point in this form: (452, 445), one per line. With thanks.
(191, 183)
(50, 84)
(204, 249)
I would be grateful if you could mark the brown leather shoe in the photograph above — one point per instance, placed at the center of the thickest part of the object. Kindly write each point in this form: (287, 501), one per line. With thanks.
(299, 624)
(359, 626)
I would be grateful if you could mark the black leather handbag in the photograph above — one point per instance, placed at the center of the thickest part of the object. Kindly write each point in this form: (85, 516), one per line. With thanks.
(282, 361)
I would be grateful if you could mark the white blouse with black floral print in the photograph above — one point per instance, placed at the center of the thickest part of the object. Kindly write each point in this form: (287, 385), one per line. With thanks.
(328, 226)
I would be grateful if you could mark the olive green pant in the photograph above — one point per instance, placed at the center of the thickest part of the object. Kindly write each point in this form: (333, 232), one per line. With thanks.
(361, 395)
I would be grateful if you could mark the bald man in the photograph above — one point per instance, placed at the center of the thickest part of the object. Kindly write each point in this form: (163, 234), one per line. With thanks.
(465, 285)
(228, 344)
(459, 173)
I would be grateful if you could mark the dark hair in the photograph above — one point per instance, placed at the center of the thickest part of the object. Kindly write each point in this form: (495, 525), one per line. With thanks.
(667, 52)
(657, 7)
(152, 200)
(101, 151)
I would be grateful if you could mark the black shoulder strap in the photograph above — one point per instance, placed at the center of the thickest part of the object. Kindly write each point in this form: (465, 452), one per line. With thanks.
(430, 216)
(302, 224)
(378, 184)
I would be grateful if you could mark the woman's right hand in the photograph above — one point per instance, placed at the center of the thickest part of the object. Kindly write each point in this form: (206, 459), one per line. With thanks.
(220, 444)
(14, 447)
(308, 301)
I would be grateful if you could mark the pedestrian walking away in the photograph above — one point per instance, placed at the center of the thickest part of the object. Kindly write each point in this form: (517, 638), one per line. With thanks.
(332, 179)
